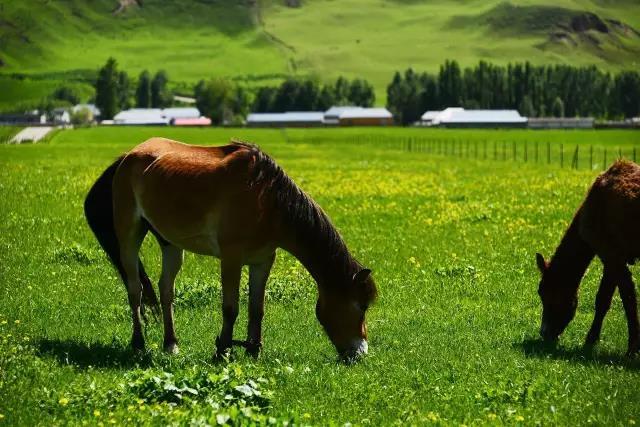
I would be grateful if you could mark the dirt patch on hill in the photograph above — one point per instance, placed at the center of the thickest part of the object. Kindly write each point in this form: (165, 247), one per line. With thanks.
(123, 5)
(558, 25)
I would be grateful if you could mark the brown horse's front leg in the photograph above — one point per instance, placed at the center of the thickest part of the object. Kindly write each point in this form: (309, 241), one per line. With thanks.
(629, 302)
(603, 303)
(258, 275)
(230, 271)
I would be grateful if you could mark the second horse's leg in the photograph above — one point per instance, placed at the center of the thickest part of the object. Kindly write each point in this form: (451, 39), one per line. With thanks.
(630, 304)
(603, 302)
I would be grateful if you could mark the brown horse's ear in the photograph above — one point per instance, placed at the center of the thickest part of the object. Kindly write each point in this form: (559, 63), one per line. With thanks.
(361, 275)
(542, 264)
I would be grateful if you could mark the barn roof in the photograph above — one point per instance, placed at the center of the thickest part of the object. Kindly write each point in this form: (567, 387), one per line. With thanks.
(366, 113)
(288, 117)
(460, 115)
(154, 116)
(335, 111)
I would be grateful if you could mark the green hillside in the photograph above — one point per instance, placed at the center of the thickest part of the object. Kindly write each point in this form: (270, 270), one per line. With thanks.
(261, 41)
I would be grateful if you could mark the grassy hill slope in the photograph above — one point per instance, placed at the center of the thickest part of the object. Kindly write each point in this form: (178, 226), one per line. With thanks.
(260, 42)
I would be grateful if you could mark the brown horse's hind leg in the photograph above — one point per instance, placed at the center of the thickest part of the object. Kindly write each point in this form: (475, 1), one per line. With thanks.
(603, 302)
(230, 272)
(629, 302)
(258, 275)
(130, 242)
(171, 264)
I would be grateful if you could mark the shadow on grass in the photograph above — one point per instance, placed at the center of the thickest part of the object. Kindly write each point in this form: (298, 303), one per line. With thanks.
(584, 355)
(84, 355)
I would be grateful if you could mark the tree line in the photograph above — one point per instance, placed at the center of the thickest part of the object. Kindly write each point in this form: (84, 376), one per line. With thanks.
(114, 90)
(535, 91)
(224, 101)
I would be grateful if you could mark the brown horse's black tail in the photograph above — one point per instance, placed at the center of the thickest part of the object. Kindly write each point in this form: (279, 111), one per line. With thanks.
(98, 209)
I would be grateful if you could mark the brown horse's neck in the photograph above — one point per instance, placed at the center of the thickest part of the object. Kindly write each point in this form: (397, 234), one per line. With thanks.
(572, 257)
(320, 249)
(304, 229)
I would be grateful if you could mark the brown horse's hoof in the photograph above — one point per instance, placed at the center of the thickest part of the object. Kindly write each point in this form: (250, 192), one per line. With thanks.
(591, 340)
(137, 343)
(253, 349)
(634, 347)
(222, 348)
(171, 348)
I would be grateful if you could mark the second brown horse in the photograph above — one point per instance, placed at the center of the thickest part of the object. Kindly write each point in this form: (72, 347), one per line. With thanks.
(232, 202)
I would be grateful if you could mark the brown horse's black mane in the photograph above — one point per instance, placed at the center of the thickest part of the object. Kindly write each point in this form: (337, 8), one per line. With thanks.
(328, 258)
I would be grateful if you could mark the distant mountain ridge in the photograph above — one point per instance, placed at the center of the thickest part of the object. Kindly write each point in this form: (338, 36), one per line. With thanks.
(262, 41)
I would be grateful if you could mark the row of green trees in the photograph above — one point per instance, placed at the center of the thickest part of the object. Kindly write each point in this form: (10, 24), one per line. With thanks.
(309, 95)
(225, 102)
(114, 90)
(557, 90)
(536, 91)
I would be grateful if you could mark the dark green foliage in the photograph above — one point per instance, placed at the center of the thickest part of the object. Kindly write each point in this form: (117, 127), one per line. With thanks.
(308, 95)
(361, 93)
(221, 100)
(65, 93)
(161, 96)
(123, 91)
(526, 107)
(557, 90)
(143, 91)
(557, 109)
(263, 101)
(107, 89)
(626, 91)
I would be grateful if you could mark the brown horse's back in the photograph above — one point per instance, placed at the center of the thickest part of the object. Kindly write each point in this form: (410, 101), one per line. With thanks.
(610, 215)
(195, 197)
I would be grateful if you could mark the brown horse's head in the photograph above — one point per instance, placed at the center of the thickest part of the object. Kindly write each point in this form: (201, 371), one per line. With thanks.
(559, 301)
(341, 312)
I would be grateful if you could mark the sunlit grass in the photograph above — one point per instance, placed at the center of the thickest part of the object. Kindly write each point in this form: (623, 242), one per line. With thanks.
(453, 337)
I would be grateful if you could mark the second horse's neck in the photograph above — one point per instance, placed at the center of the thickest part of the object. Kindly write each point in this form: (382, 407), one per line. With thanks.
(572, 257)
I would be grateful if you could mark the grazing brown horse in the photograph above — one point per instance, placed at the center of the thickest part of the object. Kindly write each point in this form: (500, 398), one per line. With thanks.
(607, 225)
(232, 202)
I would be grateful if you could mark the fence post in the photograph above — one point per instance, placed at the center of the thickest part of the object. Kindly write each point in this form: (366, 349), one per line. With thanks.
(574, 161)
(536, 151)
(591, 157)
(526, 151)
(548, 153)
(561, 155)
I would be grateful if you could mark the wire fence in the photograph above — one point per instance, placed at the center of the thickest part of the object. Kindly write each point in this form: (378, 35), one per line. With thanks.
(572, 156)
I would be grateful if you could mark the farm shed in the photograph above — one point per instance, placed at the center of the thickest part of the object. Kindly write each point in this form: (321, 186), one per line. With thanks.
(561, 123)
(332, 115)
(140, 116)
(200, 121)
(288, 119)
(366, 117)
(154, 116)
(30, 118)
(461, 118)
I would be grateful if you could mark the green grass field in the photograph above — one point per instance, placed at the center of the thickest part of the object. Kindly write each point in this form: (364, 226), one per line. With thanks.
(262, 42)
(453, 336)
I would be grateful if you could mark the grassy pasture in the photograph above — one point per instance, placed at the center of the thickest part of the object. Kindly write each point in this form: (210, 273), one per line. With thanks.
(453, 337)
